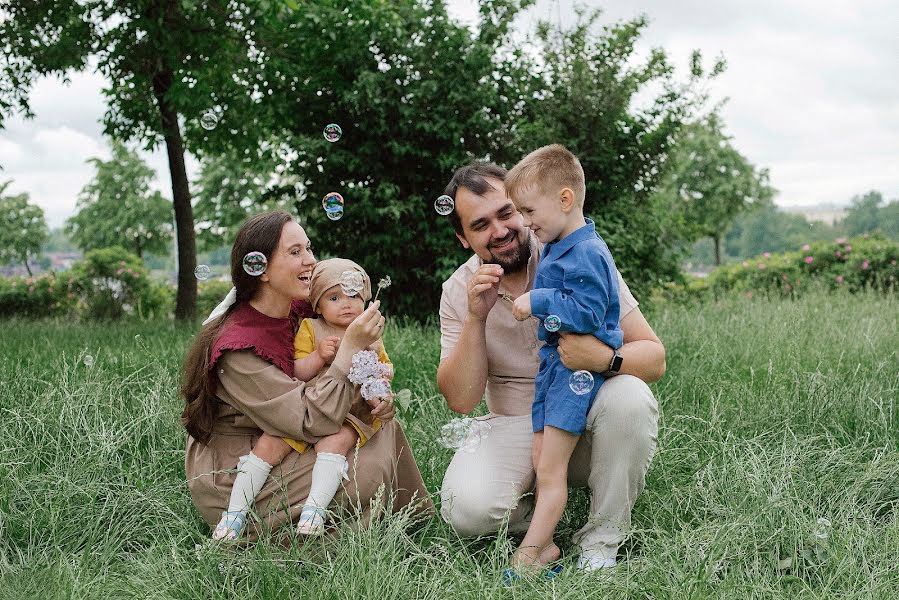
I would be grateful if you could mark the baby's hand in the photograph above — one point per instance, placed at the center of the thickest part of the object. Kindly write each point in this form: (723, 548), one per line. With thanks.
(327, 348)
(521, 308)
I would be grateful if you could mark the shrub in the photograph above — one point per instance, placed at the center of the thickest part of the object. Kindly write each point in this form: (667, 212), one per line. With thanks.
(112, 283)
(49, 294)
(857, 264)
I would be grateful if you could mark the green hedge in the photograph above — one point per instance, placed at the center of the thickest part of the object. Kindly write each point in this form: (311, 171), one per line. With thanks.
(856, 264)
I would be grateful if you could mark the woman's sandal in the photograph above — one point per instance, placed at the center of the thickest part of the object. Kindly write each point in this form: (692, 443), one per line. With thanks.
(312, 521)
(230, 527)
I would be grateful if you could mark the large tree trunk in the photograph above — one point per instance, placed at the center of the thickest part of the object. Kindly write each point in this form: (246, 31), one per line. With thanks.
(186, 299)
(717, 241)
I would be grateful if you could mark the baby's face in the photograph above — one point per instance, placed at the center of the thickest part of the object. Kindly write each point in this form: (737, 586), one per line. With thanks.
(338, 309)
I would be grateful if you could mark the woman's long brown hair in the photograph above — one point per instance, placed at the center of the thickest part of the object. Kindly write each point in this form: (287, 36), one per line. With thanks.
(260, 233)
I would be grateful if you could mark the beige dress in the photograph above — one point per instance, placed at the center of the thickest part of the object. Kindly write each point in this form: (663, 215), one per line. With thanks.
(257, 396)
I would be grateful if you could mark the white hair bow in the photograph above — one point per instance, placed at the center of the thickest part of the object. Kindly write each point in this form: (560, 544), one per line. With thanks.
(223, 307)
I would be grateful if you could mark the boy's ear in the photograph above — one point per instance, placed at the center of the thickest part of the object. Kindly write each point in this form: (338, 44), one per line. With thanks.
(566, 199)
(464, 242)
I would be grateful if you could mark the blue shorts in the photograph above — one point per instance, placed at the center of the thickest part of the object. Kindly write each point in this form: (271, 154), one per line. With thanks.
(555, 403)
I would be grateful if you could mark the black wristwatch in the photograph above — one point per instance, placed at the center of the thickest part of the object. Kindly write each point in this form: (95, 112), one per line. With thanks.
(614, 365)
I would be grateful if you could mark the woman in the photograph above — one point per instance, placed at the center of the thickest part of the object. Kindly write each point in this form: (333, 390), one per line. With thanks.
(237, 383)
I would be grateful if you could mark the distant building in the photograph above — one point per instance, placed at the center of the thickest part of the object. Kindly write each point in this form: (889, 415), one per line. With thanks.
(822, 213)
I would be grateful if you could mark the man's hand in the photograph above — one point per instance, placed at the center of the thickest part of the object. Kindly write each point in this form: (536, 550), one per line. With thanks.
(581, 351)
(521, 308)
(327, 348)
(483, 290)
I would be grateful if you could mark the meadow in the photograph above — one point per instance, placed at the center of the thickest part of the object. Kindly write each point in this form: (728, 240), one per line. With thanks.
(777, 473)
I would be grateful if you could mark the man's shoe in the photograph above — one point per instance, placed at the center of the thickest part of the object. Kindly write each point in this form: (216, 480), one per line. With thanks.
(595, 563)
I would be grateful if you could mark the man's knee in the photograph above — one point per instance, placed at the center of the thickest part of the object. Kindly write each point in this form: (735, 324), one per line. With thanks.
(625, 403)
(474, 512)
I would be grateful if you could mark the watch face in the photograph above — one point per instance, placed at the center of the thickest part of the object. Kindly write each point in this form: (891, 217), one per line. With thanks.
(617, 361)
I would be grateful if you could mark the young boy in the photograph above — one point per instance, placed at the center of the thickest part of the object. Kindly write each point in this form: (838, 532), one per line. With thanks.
(575, 290)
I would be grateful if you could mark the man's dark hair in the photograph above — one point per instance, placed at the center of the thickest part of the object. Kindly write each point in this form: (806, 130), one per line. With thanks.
(474, 178)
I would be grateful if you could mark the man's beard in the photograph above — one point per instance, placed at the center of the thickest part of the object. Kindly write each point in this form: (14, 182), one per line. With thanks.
(517, 261)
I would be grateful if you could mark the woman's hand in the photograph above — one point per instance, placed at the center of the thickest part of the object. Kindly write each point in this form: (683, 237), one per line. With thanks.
(385, 409)
(365, 329)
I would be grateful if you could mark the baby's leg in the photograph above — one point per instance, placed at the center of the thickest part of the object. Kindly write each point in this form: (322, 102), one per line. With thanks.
(330, 467)
(338, 443)
(252, 472)
(555, 451)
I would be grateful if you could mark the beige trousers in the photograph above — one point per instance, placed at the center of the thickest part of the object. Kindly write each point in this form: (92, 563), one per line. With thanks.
(484, 487)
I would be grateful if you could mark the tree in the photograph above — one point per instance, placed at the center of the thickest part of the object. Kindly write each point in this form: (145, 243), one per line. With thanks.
(22, 228)
(710, 183)
(619, 113)
(118, 208)
(167, 63)
(863, 215)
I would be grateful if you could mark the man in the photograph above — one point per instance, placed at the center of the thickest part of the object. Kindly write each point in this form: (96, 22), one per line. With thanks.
(484, 349)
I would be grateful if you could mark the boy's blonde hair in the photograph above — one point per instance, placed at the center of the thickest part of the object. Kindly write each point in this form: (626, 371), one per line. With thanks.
(551, 167)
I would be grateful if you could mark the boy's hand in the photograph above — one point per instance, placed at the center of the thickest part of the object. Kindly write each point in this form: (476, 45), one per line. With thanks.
(327, 348)
(521, 308)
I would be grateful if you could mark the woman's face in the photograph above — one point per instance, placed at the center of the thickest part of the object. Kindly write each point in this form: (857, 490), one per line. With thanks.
(290, 266)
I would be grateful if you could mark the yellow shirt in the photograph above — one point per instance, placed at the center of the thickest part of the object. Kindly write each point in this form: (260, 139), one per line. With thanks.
(303, 346)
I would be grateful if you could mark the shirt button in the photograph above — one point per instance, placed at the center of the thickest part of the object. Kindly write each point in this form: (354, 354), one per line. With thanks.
(534, 345)
(552, 355)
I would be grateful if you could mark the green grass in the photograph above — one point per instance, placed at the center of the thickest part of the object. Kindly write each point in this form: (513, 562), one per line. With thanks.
(775, 413)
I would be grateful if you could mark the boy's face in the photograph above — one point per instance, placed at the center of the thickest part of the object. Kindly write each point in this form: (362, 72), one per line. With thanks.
(337, 308)
(542, 212)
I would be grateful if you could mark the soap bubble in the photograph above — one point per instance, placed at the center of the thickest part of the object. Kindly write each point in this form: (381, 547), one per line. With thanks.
(202, 272)
(465, 434)
(552, 323)
(254, 263)
(581, 382)
(444, 205)
(209, 120)
(351, 282)
(332, 132)
(822, 529)
(88, 361)
(333, 205)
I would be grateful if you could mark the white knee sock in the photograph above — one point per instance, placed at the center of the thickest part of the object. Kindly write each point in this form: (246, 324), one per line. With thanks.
(252, 472)
(326, 475)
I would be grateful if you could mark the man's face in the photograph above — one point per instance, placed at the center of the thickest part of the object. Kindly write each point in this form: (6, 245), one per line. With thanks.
(492, 228)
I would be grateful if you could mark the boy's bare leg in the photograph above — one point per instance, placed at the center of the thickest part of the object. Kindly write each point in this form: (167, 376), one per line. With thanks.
(555, 448)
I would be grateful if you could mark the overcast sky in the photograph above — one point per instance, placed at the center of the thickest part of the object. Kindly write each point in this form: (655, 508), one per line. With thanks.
(813, 88)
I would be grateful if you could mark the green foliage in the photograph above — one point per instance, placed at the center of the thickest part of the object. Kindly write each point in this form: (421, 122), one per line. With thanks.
(868, 214)
(47, 295)
(113, 283)
(768, 229)
(118, 208)
(709, 183)
(776, 413)
(857, 264)
(22, 228)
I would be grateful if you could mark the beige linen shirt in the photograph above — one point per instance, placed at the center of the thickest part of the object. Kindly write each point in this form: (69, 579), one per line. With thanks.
(512, 346)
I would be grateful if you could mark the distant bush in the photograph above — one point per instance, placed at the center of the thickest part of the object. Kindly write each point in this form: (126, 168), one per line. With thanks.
(856, 264)
(113, 283)
(47, 295)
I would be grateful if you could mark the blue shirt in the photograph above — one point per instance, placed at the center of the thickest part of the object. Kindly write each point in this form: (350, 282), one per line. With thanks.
(576, 281)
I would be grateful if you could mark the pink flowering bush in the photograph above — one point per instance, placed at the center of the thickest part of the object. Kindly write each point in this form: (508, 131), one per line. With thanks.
(45, 295)
(855, 264)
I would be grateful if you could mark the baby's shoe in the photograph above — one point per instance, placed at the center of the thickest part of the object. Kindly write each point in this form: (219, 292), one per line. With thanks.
(312, 521)
(230, 526)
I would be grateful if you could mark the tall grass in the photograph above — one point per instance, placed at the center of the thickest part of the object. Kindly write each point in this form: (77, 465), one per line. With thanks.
(775, 414)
